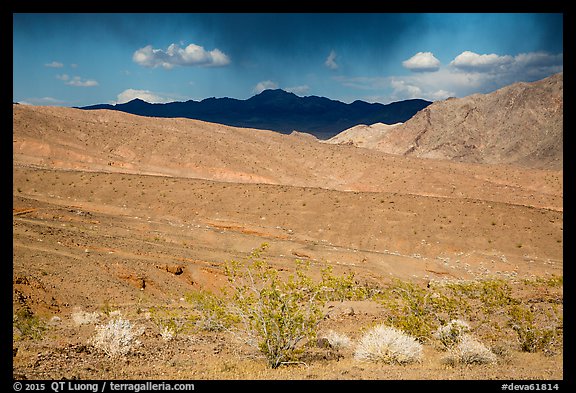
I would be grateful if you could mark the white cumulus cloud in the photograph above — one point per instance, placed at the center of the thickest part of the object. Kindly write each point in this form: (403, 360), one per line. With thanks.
(440, 95)
(404, 90)
(331, 61)
(78, 82)
(175, 55)
(145, 95)
(298, 90)
(494, 71)
(536, 65)
(42, 101)
(474, 62)
(469, 73)
(538, 59)
(264, 85)
(54, 64)
(422, 62)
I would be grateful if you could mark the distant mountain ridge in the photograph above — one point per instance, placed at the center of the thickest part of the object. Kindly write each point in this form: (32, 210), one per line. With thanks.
(278, 110)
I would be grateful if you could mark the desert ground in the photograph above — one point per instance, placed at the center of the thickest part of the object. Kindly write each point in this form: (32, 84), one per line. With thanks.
(115, 214)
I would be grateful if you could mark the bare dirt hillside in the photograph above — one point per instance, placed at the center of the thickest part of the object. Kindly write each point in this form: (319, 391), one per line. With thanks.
(108, 141)
(115, 212)
(362, 135)
(519, 124)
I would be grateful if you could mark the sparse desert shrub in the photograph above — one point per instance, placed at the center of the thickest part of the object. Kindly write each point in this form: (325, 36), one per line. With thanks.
(470, 351)
(451, 334)
(419, 311)
(169, 322)
(552, 282)
(107, 308)
(28, 325)
(273, 314)
(116, 338)
(85, 318)
(341, 287)
(167, 333)
(336, 340)
(389, 345)
(214, 315)
(530, 336)
(493, 294)
(496, 294)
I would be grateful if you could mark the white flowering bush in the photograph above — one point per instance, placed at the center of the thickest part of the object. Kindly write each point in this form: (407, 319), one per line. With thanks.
(472, 351)
(167, 333)
(117, 337)
(337, 340)
(389, 345)
(469, 351)
(451, 334)
(85, 318)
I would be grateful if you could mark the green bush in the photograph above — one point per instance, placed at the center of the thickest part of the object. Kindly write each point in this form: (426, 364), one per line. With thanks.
(530, 336)
(28, 325)
(341, 287)
(419, 311)
(493, 294)
(276, 311)
(550, 282)
(273, 314)
(170, 322)
(451, 334)
(214, 315)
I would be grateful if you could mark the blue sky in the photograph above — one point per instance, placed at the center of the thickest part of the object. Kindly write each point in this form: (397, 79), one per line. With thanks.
(84, 59)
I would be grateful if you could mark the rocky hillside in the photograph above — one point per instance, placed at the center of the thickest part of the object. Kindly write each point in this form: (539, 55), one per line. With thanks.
(362, 135)
(519, 124)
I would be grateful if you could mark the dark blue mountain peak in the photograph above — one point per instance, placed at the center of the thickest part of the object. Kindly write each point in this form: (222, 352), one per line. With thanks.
(278, 110)
(274, 95)
(137, 101)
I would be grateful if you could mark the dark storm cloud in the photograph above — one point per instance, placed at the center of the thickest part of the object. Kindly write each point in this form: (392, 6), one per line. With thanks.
(123, 29)
(288, 35)
(521, 32)
(241, 36)
(548, 31)
(46, 25)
